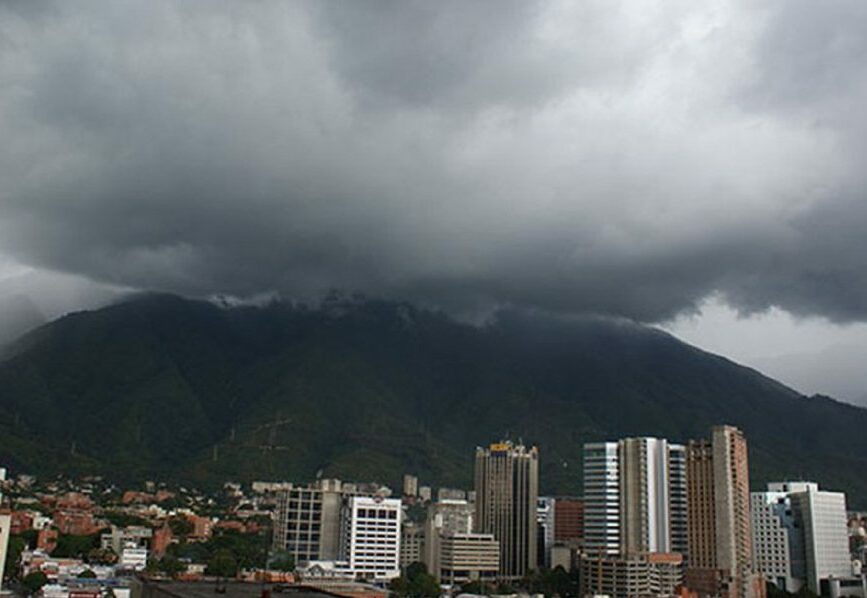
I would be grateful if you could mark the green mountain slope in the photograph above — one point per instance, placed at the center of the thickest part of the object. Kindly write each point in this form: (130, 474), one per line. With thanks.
(177, 389)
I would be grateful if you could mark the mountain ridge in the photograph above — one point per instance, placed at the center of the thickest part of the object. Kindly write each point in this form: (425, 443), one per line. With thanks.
(161, 386)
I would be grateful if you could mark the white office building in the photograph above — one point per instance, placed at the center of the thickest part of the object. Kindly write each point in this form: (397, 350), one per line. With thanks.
(800, 537)
(370, 537)
(601, 499)
(822, 515)
(545, 533)
(133, 557)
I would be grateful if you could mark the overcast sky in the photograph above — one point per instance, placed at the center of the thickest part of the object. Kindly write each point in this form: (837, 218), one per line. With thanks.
(698, 165)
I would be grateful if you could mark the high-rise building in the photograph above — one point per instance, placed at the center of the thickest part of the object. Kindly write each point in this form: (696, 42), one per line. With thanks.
(652, 484)
(544, 530)
(801, 538)
(370, 537)
(307, 523)
(822, 517)
(720, 543)
(677, 500)
(634, 497)
(601, 499)
(778, 538)
(507, 489)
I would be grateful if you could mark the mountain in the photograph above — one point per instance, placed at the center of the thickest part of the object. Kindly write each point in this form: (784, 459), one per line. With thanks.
(169, 388)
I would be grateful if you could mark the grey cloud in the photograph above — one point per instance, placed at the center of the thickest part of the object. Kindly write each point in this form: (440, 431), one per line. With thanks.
(614, 158)
(809, 54)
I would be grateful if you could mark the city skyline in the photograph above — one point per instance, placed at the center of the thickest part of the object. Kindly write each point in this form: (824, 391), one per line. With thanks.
(431, 299)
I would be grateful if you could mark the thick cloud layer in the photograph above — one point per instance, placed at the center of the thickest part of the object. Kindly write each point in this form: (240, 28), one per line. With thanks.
(614, 157)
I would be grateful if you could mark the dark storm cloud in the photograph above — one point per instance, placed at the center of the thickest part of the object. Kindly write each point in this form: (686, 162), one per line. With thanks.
(613, 157)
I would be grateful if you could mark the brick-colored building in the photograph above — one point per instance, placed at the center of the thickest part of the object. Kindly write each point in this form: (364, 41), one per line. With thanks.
(46, 540)
(76, 523)
(719, 530)
(568, 521)
(203, 527)
(160, 541)
(21, 521)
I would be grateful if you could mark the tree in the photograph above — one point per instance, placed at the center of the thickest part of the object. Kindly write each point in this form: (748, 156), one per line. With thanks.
(34, 581)
(416, 582)
(476, 587)
(181, 526)
(222, 564)
(774, 592)
(69, 546)
(87, 574)
(170, 565)
(553, 582)
(16, 546)
(282, 561)
(102, 556)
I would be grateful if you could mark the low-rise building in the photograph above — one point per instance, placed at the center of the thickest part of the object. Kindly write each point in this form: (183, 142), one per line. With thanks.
(133, 557)
(118, 538)
(654, 574)
(410, 485)
(466, 557)
(451, 494)
(411, 544)
(444, 518)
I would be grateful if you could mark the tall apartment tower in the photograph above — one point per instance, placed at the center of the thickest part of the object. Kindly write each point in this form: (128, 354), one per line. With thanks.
(652, 496)
(507, 490)
(720, 544)
(601, 499)
(635, 497)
